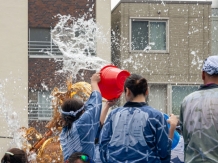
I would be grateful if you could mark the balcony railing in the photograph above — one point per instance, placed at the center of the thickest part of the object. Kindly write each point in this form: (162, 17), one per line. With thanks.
(38, 111)
(42, 48)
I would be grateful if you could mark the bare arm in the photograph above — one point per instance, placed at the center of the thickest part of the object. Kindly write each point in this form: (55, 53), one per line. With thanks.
(173, 121)
(94, 82)
(105, 110)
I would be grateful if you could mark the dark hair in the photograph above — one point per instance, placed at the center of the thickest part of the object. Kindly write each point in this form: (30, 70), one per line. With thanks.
(14, 155)
(136, 84)
(79, 155)
(71, 105)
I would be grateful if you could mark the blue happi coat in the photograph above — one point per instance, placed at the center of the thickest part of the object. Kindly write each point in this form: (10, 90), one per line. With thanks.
(135, 133)
(81, 136)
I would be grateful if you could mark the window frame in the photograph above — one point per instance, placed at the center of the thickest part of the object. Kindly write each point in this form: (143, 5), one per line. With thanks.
(45, 110)
(214, 40)
(149, 19)
(169, 86)
(39, 55)
(170, 89)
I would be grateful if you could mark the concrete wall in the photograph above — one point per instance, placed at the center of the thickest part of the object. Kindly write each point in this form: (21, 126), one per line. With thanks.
(103, 20)
(188, 31)
(116, 37)
(13, 66)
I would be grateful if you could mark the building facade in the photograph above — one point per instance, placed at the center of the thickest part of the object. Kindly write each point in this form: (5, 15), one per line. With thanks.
(13, 70)
(164, 41)
(42, 68)
(214, 27)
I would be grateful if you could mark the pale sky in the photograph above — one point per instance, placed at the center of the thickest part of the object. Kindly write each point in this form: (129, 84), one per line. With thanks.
(113, 3)
(214, 2)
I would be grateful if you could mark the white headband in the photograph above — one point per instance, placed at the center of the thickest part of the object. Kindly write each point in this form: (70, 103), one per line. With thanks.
(211, 65)
(72, 113)
(9, 153)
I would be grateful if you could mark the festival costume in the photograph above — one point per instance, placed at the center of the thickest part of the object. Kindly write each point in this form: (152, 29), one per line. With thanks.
(177, 153)
(135, 133)
(96, 157)
(199, 122)
(199, 119)
(81, 136)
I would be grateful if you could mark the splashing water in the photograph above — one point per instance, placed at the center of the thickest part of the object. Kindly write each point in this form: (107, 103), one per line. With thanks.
(196, 60)
(76, 40)
(11, 117)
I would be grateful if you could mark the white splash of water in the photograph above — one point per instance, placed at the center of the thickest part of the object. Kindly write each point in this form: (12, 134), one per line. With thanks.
(11, 117)
(44, 86)
(196, 60)
(76, 39)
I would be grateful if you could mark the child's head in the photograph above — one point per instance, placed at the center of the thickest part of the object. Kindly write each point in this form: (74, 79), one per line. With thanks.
(136, 84)
(72, 109)
(79, 157)
(14, 155)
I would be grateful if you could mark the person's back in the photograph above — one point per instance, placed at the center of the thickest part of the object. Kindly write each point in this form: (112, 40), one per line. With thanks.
(199, 119)
(81, 122)
(136, 133)
(200, 125)
(140, 134)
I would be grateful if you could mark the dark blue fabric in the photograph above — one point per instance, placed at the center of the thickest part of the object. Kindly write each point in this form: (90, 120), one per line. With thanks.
(136, 133)
(81, 136)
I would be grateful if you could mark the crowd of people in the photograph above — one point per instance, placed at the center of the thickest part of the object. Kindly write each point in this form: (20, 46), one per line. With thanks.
(136, 132)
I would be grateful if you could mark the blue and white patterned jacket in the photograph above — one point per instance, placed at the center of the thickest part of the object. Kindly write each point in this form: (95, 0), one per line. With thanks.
(81, 136)
(135, 133)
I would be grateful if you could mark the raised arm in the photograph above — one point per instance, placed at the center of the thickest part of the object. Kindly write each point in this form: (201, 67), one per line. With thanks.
(105, 110)
(173, 121)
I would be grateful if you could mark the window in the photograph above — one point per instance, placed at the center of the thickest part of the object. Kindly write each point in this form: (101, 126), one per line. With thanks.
(179, 92)
(44, 106)
(158, 97)
(40, 107)
(149, 35)
(40, 43)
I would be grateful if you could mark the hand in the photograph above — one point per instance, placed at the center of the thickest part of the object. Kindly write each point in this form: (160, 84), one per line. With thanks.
(111, 102)
(96, 78)
(173, 121)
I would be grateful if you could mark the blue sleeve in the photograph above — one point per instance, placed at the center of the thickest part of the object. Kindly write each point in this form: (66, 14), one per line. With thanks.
(163, 141)
(90, 120)
(93, 107)
(105, 138)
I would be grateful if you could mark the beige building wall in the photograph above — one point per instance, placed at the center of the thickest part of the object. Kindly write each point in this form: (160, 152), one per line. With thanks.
(188, 32)
(13, 68)
(103, 19)
(175, 73)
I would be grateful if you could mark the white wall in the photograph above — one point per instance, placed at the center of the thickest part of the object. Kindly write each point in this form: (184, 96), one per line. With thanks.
(13, 66)
(214, 4)
(103, 20)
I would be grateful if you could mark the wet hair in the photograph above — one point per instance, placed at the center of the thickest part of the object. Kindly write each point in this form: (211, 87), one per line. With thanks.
(14, 155)
(79, 155)
(71, 105)
(136, 84)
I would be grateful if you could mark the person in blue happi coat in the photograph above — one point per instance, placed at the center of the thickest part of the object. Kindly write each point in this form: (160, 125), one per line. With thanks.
(136, 132)
(81, 122)
(104, 112)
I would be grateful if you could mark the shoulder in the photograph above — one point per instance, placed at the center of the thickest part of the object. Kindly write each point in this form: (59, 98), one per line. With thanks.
(115, 111)
(96, 94)
(191, 96)
(153, 113)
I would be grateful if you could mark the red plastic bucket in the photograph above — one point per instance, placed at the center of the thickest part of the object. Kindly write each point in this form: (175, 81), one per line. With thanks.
(112, 81)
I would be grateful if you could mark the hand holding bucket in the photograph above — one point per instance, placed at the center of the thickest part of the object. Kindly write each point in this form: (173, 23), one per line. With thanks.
(112, 81)
(176, 135)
